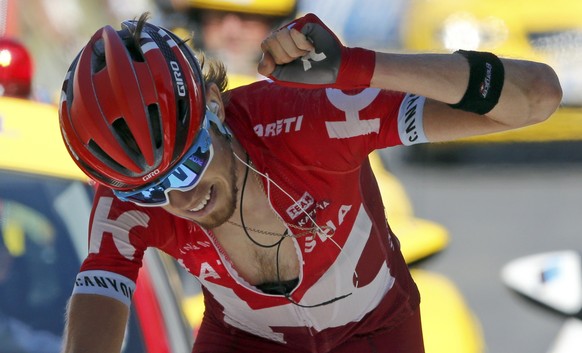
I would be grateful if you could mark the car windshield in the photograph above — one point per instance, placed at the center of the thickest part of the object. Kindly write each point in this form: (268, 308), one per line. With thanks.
(43, 224)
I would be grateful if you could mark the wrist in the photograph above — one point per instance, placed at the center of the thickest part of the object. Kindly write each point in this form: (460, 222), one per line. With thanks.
(357, 68)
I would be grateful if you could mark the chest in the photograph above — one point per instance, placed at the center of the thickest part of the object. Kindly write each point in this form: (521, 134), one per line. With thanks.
(316, 213)
(256, 258)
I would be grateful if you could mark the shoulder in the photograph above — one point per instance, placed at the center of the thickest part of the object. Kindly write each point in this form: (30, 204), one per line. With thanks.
(265, 109)
(120, 232)
(138, 227)
(303, 122)
(267, 95)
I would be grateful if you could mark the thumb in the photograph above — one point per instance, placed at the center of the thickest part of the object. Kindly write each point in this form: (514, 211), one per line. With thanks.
(266, 64)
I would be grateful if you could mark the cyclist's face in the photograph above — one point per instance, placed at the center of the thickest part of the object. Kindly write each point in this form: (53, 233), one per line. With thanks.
(213, 200)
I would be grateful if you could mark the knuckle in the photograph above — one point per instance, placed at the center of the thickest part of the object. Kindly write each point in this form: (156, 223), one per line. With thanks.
(280, 61)
(297, 52)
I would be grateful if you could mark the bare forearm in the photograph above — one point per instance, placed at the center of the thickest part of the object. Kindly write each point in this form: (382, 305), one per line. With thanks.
(94, 324)
(531, 91)
(436, 76)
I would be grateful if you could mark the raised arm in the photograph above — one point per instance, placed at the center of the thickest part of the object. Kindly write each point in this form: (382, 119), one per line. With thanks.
(307, 54)
(530, 93)
(95, 324)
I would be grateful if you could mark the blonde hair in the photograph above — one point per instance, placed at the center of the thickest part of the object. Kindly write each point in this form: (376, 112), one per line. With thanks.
(214, 71)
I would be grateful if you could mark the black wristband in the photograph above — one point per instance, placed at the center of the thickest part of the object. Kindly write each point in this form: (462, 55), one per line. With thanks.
(485, 82)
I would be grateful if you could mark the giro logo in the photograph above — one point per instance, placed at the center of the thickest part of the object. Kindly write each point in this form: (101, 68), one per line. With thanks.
(178, 78)
(151, 175)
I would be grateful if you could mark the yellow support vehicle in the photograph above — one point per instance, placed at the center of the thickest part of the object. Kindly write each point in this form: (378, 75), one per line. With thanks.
(541, 30)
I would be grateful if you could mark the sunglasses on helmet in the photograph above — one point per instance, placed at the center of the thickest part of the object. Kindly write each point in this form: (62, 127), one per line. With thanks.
(185, 175)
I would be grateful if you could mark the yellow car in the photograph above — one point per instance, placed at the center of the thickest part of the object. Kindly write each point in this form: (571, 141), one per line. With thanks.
(540, 30)
(45, 204)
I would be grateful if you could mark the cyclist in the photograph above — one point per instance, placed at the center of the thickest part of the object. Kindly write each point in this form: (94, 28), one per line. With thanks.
(264, 192)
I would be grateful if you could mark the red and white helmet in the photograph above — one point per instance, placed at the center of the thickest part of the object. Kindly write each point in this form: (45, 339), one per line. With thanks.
(16, 69)
(132, 104)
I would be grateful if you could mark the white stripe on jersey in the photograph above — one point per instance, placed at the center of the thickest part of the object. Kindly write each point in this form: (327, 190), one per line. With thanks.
(105, 283)
(410, 120)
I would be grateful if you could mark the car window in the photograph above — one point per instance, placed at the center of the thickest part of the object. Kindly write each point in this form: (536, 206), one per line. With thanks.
(43, 224)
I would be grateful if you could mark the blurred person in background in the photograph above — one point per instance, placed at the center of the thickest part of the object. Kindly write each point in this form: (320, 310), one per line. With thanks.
(230, 31)
(265, 192)
(376, 25)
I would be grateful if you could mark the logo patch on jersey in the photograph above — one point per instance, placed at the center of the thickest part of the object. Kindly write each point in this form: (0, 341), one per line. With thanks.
(105, 283)
(313, 56)
(302, 205)
(351, 105)
(281, 126)
(118, 228)
(410, 123)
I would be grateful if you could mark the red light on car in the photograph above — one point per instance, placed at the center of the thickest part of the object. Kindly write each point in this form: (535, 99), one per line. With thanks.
(16, 69)
(5, 58)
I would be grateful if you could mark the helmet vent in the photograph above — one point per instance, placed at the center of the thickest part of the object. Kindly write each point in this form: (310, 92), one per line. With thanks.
(127, 140)
(98, 61)
(134, 50)
(131, 42)
(106, 159)
(96, 175)
(155, 124)
(183, 113)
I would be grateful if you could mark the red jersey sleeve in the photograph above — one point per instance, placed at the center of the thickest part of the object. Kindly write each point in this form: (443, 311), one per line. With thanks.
(119, 234)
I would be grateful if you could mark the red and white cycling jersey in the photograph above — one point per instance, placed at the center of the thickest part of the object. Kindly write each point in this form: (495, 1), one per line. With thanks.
(314, 145)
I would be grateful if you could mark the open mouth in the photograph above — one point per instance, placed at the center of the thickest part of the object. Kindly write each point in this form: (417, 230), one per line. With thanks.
(202, 203)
